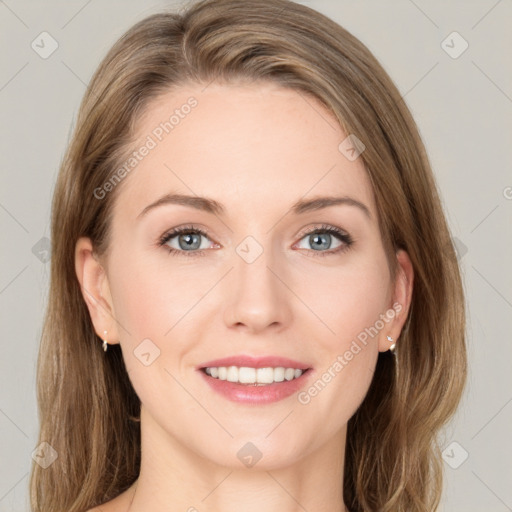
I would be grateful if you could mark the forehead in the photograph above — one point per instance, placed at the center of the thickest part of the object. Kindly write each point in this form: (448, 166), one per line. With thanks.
(248, 146)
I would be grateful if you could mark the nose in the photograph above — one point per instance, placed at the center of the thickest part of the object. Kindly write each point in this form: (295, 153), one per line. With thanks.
(258, 296)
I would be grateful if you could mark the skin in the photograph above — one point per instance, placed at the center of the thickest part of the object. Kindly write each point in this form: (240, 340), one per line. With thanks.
(256, 149)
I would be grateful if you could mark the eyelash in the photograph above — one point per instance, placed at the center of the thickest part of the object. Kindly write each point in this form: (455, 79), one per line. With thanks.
(191, 229)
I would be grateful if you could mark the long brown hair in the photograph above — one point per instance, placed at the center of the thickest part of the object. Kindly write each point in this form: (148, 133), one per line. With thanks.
(87, 405)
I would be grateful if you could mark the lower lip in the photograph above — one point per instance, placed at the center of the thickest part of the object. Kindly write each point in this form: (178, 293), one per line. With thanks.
(248, 393)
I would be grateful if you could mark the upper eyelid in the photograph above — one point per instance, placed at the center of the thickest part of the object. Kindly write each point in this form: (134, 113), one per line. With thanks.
(172, 233)
(323, 227)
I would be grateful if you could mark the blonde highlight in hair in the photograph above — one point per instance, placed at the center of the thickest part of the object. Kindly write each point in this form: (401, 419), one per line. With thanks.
(87, 406)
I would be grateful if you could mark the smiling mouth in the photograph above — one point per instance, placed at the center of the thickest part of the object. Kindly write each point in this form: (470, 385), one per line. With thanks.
(254, 376)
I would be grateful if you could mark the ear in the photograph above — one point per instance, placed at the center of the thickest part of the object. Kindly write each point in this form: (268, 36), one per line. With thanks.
(401, 300)
(96, 291)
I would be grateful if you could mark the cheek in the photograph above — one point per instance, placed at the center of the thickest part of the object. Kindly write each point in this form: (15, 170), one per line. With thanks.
(350, 300)
(150, 298)
(153, 301)
(346, 357)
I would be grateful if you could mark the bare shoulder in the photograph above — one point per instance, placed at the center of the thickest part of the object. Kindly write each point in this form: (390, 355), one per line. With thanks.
(118, 504)
(109, 506)
(106, 507)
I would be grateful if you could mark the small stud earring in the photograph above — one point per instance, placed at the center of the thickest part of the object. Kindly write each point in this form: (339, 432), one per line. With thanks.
(105, 344)
(392, 347)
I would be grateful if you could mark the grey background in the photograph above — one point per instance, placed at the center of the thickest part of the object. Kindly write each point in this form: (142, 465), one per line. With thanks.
(462, 105)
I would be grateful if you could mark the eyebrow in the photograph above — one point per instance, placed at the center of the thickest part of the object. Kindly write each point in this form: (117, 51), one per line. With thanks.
(212, 206)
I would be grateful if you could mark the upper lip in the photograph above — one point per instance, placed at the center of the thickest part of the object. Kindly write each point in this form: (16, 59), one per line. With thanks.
(255, 362)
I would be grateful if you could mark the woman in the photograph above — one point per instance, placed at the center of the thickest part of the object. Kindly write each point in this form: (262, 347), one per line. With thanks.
(255, 303)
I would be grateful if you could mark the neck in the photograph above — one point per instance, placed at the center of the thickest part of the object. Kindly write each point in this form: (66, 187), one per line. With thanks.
(173, 477)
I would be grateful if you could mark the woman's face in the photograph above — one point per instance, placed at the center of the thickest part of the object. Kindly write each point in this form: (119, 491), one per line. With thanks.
(257, 287)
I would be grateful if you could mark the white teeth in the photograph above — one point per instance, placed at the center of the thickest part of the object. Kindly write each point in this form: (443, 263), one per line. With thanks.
(247, 375)
(256, 376)
(265, 375)
(289, 373)
(279, 374)
(232, 374)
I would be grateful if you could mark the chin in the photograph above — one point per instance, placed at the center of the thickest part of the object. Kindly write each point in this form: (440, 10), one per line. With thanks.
(257, 452)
